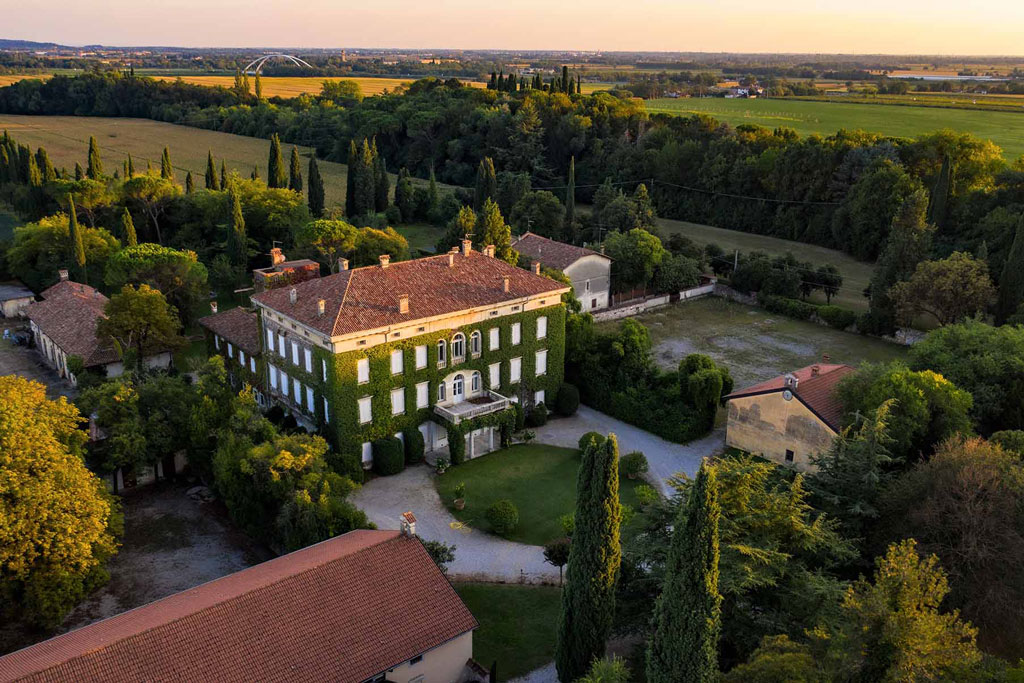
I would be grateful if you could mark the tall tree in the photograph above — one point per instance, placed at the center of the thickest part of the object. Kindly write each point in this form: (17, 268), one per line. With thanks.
(211, 172)
(75, 232)
(687, 618)
(79, 173)
(350, 178)
(128, 229)
(381, 185)
(190, 184)
(433, 195)
(565, 79)
(570, 193)
(95, 166)
(166, 168)
(275, 164)
(939, 199)
(223, 175)
(131, 168)
(315, 196)
(949, 290)
(1011, 282)
(295, 172)
(45, 166)
(404, 199)
(365, 199)
(238, 242)
(259, 87)
(141, 323)
(486, 184)
(588, 600)
(491, 228)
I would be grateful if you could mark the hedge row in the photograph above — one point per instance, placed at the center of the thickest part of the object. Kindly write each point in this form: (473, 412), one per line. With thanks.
(836, 317)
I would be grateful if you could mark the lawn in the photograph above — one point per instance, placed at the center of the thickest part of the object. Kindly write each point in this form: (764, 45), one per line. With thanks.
(1005, 129)
(421, 236)
(754, 344)
(518, 625)
(539, 479)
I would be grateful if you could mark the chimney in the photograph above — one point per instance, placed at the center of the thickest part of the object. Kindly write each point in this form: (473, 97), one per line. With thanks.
(213, 306)
(408, 524)
(504, 285)
(403, 303)
(293, 295)
(63, 274)
(790, 381)
(342, 264)
(825, 358)
(815, 370)
(535, 266)
(276, 256)
(467, 246)
(385, 260)
(489, 251)
(321, 308)
(451, 259)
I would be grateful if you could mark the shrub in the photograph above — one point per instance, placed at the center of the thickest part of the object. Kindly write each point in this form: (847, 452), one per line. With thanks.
(646, 495)
(503, 517)
(1010, 439)
(801, 310)
(393, 214)
(460, 491)
(567, 401)
(456, 446)
(597, 437)
(441, 553)
(568, 522)
(538, 416)
(520, 414)
(414, 446)
(388, 456)
(837, 317)
(633, 464)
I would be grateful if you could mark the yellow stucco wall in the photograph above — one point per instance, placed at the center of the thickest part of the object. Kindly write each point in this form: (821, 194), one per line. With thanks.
(444, 664)
(768, 425)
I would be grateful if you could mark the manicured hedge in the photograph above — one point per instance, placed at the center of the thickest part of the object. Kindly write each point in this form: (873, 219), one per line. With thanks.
(837, 317)
(503, 516)
(597, 437)
(801, 310)
(568, 400)
(633, 464)
(537, 416)
(414, 446)
(388, 456)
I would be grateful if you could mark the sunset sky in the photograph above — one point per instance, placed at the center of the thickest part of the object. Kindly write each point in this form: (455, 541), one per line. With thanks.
(870, 26)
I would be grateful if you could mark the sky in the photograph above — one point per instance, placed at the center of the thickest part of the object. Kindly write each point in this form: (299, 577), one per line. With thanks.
(992, 27)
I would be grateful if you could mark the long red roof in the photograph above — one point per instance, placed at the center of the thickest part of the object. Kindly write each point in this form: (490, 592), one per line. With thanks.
(815, 388)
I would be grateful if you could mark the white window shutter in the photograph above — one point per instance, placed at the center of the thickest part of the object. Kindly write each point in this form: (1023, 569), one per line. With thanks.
(542, 362)
(309, 360)
(309, 399)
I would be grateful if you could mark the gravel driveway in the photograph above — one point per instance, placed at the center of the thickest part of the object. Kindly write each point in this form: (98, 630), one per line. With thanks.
(479, 556)
(664, 457)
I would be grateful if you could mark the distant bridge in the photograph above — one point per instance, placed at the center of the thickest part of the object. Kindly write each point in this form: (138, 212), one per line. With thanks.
(255, 65)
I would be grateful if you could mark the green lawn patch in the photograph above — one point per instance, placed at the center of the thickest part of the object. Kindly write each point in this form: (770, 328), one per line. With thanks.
(518, 625)
(539, 479)
(421, 236)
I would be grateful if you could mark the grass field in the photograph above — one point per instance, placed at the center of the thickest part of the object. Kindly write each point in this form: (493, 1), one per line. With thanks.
(1003, 128)
(755, 345)
(66, 139)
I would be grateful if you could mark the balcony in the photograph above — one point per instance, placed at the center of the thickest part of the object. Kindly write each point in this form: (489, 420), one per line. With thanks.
(486, 403)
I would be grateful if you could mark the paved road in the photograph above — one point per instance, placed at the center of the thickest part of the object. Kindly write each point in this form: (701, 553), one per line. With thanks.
(479, 556)
(664, 457)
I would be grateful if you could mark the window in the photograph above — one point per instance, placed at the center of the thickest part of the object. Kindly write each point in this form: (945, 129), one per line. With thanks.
(270, 339)
(458, 386)
(397, 401)
(475, 382)
(475, 340)
(542, 362)
(789, 455)
(422, 394)
(396, 362)
(538, 397)
(515, 369)
(421, 357)
(495, 371)
(295, 353)
(542, 327)
(327, 411)
(309, 360)
(441, 390)
(273, 377)
(216, 342)
(587, 286)
(280, 345)
(365, 413)
(367, 454)
(323, 366)
(231, 350)
(284, 383)
(309, 399)
(298, 392)
(458, 347)
(363, 370)
(442, 353)
(517, 330)
(494, 342)
(252, 365)
(416, 660)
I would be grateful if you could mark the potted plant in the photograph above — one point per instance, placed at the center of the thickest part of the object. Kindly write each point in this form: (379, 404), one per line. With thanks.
(442, 465)
(460, 496)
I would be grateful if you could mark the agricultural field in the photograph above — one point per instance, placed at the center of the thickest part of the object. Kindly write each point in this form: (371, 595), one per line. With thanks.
(66, 139)
(754, 344)
(806, 117)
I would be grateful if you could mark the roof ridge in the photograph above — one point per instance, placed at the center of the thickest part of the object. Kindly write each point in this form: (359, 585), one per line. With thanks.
(344, 296)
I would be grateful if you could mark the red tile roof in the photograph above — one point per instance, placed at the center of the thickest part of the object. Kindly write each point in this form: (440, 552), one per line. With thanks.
(342, 610)
(551, 253)
(238, 326)
(816, 391)
(68, 315)
(367, 298)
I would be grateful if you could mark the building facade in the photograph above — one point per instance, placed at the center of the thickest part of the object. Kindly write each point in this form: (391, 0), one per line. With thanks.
(235, 336)
(589, 271)
(444, 344)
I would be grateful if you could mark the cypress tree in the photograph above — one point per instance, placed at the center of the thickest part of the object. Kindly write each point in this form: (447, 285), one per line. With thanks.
(124, 169)
(565, 79)
(295, 172)
(493, 83)
(687, 616)
(486, 184)
(131, 168)
(166, 169)
(381, 184)
(128, 229)
(570, 193)
(275, 164)
(44, 165)
(238, 83)
(95, 167)
(75, 233)
(939, 199)
(237, 240)
(350, 180)
(189, 183)
(223, 176)
(79, 173)
(246, 87)
(364, 200)
(315, 196)
(433, 196)
(149, 168)
(259, 87)
(33, 178)
(1011, 282)
(588, 599)
(404, 195)
(579, 85)
(5, 165)
(211, 172)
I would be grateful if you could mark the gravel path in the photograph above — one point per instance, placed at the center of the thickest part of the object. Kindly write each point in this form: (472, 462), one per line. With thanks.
(664, 457)
(479, 556)
(545, 674)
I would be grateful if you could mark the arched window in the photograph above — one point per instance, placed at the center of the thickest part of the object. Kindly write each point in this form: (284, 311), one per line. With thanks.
(475, 384)
(441, 390)
(442, 353)
(458, 386)
(475, 343)
(458, 346)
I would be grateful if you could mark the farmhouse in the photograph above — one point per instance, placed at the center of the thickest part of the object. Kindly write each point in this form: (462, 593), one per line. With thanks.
(444, 345)
(589, 271)
(64, 326)
(364, 606)
(789, 418)
(14, 299)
